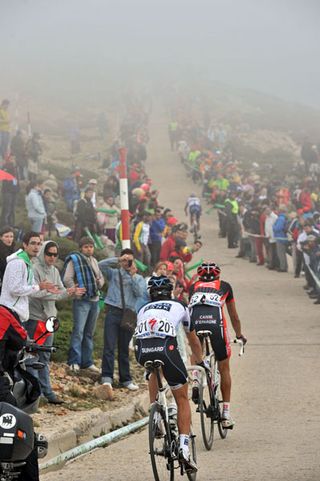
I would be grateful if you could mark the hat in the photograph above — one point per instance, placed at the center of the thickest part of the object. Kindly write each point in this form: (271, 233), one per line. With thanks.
(311, 238)
(172, 221)
(182, 226)
(93, 181)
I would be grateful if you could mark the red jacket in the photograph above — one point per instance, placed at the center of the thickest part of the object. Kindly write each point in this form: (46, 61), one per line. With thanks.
(167, 248)
(305, 201)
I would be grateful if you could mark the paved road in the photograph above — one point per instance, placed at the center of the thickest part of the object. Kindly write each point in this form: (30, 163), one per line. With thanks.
(276, 384)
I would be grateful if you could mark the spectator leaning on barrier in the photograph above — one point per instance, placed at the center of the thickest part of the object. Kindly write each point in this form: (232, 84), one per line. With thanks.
(81, 269)
(115, 333)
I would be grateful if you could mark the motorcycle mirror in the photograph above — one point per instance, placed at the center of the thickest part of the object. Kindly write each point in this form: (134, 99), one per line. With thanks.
(52, 324)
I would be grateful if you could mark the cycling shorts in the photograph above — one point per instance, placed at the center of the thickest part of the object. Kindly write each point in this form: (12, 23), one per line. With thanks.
(165, 350)
(204, 319)
(195, 209)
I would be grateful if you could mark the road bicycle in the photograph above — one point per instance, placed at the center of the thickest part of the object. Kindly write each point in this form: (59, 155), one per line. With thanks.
(194, 226)
(163, 434)
(209, 401)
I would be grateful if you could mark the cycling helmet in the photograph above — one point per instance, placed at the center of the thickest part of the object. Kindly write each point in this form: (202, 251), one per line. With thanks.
(208, 271)
(160, 288)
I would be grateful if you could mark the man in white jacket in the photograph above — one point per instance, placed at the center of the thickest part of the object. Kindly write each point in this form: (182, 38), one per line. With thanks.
(271, 247)
(18, 282)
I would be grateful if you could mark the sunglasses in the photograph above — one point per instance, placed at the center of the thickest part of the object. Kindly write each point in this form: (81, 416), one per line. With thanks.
(52, 254)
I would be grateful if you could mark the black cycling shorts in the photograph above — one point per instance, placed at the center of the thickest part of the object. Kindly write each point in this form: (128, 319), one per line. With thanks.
(204, 319)
(165, 350)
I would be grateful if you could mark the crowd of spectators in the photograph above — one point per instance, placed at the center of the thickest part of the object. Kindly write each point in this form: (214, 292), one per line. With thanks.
(263, 214)
(159, 246)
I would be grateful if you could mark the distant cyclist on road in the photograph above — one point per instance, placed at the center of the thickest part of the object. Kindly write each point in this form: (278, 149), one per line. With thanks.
(157, 325)
(193, 207)
(208, 296)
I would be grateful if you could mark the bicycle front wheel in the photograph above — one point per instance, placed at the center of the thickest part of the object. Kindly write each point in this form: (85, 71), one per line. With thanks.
(206, 416)
(159, 445)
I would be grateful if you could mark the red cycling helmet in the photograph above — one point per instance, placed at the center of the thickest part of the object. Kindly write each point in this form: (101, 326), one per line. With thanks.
(208, 271)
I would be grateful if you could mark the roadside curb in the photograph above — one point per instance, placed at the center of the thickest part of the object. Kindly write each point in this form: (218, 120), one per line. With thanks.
(95, 423)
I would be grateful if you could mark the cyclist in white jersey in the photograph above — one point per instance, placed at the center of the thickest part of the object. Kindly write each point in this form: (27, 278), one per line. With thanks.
(193, 207)
(155, 335)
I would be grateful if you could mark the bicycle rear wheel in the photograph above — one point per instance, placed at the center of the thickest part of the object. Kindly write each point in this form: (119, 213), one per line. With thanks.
(193, 455)
(159, 445)
(206, 417)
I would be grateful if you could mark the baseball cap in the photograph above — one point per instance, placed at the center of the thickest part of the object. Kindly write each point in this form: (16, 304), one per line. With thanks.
(93, 181)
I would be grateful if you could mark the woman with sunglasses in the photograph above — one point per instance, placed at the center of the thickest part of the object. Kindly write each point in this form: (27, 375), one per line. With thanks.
(43, 306)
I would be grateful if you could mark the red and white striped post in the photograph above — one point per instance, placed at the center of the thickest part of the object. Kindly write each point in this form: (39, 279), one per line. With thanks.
(124, 199)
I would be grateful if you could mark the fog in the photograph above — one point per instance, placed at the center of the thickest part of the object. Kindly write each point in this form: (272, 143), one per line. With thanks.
(80, 48)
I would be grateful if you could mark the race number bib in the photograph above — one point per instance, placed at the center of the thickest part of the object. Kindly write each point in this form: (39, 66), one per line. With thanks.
(206, 298)
(155, 328)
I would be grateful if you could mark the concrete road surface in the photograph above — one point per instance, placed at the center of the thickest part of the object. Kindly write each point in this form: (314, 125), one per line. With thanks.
(276, 388)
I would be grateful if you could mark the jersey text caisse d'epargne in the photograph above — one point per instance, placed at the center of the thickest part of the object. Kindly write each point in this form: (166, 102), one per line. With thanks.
(161, 319)
(207, 300)
(214, 294)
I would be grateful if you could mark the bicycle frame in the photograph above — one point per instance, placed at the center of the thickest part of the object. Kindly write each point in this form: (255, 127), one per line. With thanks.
(161, 398)
(162, 405)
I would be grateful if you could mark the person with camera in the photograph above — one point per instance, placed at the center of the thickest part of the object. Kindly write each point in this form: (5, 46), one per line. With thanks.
(125, 289)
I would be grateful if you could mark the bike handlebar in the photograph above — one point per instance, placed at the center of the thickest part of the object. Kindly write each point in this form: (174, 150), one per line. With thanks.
(36, 348)
(242, 344)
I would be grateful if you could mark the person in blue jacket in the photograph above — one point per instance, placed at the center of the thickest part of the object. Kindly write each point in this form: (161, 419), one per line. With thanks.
(280, 228)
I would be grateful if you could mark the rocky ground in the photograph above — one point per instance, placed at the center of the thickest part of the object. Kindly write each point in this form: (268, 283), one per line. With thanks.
(81, 392)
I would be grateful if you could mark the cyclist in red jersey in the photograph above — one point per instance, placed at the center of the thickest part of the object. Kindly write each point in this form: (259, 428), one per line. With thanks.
(207, 298)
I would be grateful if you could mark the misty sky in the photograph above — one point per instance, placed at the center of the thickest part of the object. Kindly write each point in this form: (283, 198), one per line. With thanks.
(272, 46)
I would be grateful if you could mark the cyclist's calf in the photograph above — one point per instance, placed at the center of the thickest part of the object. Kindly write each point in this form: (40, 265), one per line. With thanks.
(225, 384)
